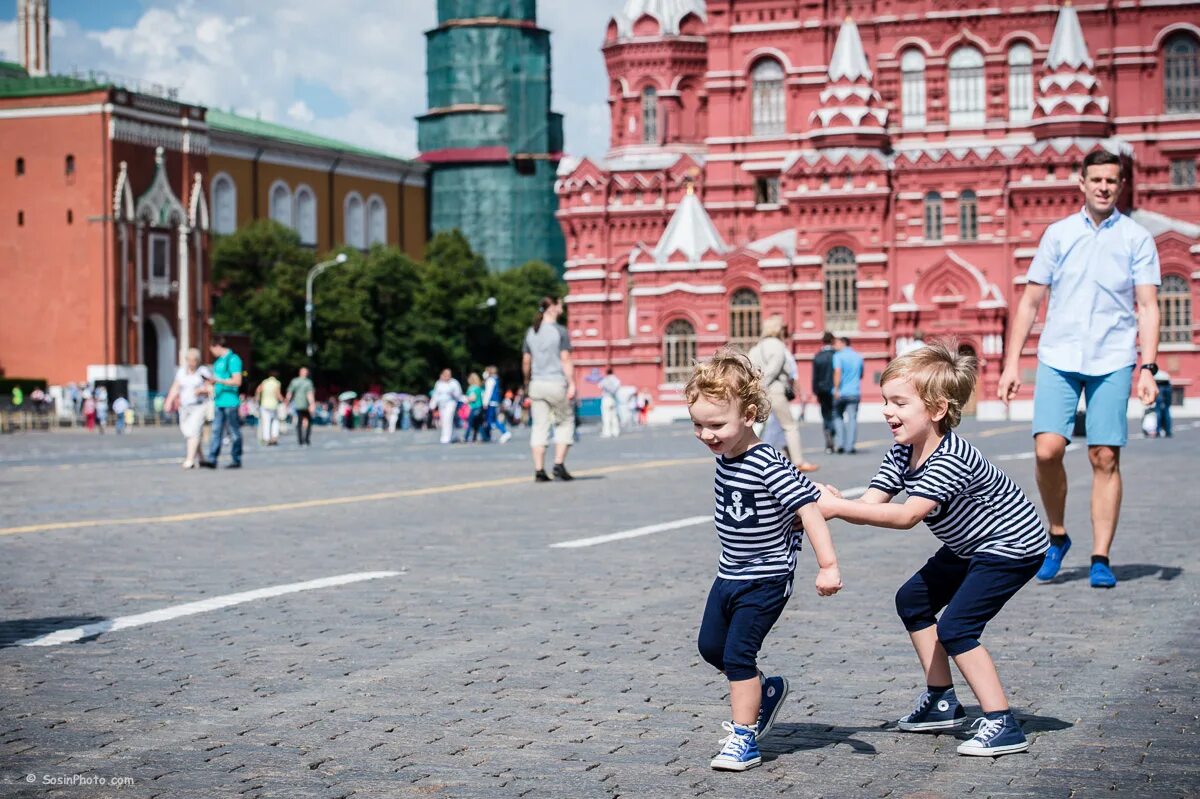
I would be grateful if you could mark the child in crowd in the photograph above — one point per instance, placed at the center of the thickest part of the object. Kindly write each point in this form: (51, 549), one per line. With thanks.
(759, 495)
(992, 541)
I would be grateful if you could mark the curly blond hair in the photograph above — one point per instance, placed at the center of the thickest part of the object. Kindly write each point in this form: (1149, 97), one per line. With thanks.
(939, 372)
(728, 376)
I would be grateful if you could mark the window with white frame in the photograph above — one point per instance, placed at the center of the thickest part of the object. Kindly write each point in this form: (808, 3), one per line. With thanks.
(967, 94)
(968, 216)
(160, 265)
(679, 351)
(766, 190)
(306, 216)
(281, 204)
(912, 89)
(745, 319)
(1183, 172)
(356, 230)
(769, 111)
(376, 221)
(1175, 310)
(650, 115)
(933, 216)
(841, 289)
(1020, 83)
(224, 204)
(1181, 74)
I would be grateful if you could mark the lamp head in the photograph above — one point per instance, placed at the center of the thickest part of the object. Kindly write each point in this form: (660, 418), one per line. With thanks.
(341, 258)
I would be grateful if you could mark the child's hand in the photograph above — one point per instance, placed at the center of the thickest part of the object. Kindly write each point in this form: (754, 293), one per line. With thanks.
(825, 488)
(825, 500)
(829, 581)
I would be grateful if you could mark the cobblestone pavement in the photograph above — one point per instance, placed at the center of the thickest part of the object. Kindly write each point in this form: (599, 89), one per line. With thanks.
(493, 665)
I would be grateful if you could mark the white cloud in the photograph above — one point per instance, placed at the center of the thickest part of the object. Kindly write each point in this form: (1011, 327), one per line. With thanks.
(367, 58)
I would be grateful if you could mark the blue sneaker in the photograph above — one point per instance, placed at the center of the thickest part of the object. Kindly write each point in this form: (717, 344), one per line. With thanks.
(1053, 561)
(740, 749)
(1102, 576)
(935, 713)
(995, 737)
(774, 691)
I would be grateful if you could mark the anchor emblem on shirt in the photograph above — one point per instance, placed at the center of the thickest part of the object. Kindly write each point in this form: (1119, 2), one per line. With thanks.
(737, 512)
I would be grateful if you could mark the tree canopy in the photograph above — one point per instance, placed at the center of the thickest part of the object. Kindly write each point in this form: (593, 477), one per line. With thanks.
(381, 318)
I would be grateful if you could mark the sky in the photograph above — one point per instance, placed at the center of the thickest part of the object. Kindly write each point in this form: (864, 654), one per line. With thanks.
(356, 73)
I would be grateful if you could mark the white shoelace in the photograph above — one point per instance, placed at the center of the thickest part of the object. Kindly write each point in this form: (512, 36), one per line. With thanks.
(922, 703)
(734, 743)
(986, 729)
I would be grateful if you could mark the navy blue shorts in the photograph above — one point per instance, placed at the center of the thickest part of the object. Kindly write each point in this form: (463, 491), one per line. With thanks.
(737, 618)
(972, 591)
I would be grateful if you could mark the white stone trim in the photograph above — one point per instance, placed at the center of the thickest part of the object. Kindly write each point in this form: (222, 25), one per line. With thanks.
(687, 288)
(585, 274)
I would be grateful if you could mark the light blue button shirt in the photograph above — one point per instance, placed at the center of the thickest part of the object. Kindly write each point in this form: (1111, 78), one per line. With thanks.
(1091, 327)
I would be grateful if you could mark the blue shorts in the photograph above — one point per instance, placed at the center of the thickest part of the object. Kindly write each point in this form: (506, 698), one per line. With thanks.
(1056, 396)
(737, 618)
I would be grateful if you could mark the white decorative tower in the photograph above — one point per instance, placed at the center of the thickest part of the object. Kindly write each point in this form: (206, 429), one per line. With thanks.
(33, 36)
(1069, 99)
(851, 114)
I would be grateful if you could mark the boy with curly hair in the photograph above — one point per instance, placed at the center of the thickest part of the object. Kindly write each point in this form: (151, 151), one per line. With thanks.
(761, 503)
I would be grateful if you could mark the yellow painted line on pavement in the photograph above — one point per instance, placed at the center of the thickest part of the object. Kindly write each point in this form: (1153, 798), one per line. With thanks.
(248, 510)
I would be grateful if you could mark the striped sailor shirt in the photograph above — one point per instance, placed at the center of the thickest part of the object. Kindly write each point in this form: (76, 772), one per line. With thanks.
(757, 496)
(980, 509)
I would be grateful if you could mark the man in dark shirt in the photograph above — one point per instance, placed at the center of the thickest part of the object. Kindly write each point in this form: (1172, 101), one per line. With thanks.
(822, 386)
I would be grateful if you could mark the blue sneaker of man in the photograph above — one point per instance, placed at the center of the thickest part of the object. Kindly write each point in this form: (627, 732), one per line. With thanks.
(995, 737)
(1102, 576)
(774, 691)
(1053, 560)
(935, 712)
(740, 749)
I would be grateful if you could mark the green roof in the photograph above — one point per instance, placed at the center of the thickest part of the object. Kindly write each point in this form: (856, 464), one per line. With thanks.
(232, 123)
(15, 82)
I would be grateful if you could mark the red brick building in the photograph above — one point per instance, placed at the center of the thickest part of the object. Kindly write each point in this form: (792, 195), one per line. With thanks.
(105, 228)
(871, 167)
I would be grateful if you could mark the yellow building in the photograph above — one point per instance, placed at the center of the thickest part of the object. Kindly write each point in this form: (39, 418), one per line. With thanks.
(331, 193)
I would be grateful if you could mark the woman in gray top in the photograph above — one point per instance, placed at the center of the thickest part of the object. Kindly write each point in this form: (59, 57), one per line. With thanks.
(550, 376)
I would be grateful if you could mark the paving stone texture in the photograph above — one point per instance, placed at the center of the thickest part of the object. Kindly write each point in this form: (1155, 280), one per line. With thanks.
(496, 666)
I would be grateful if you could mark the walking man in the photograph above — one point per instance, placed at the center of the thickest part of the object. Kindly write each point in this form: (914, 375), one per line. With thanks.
(822, 386)
(610, 420)
(301, 396)
(268, 396)
(226, 379)
(1094, 264)
(847, 393)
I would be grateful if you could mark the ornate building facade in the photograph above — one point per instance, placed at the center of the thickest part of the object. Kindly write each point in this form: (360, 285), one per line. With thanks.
(880, 173)
(109, 201)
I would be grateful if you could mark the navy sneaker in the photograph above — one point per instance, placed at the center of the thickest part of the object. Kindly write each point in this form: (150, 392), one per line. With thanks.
(1102, 576)
(739, 749)
(995, 737)
(1053, 560)
(935, 712)
(774, 691)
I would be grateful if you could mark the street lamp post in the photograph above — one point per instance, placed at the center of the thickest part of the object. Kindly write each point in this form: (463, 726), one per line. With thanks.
(308, 296)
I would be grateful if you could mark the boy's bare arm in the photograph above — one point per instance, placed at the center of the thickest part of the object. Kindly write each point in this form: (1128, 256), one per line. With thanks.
(829, 577)
(897, 517)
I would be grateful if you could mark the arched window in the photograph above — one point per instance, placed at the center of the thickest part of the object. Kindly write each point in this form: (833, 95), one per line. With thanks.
(306, 216)
(281, 203)
(650, 115)
(69, 166)
(968, 216)
(912, 89)
(966, 87)
(224, 204)
(769, 112)
(1175, 309)
(933, 216)
(20, 166)
(1181, 75)
(841, 290)
(376, 221)
(745, 319)
(679, 351)
(356, 231)
(1020, 83)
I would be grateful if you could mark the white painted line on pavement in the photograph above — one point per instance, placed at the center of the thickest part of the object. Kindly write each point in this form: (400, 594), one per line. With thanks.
(1024, 456)
(637, 532)
(188, 609)
(854, 493)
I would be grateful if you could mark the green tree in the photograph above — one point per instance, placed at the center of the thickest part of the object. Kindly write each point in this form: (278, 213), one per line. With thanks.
(518, 292)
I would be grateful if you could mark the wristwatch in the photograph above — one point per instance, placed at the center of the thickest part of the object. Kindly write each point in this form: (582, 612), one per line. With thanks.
(1152, 368)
